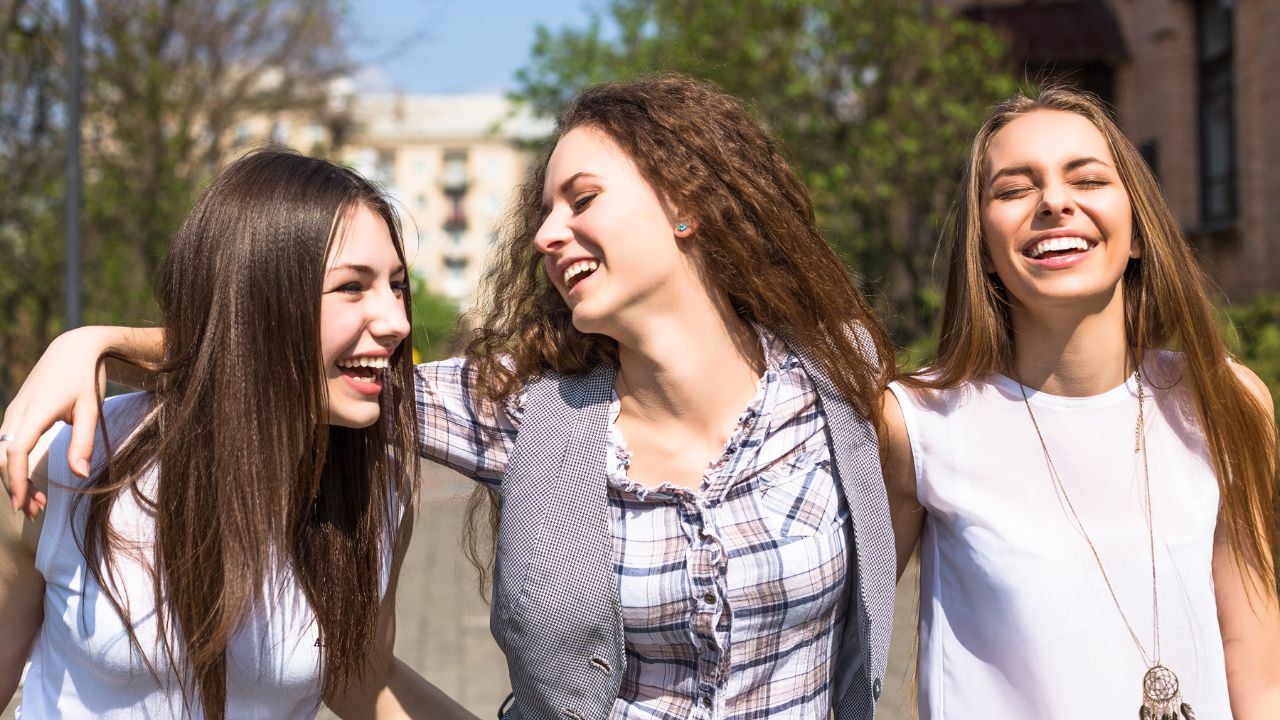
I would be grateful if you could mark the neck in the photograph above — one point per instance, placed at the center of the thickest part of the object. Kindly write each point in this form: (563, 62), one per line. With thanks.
(687, 367)
(1075, 350)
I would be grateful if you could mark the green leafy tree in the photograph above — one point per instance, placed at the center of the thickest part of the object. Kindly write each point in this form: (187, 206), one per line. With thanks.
(435, 319)
(877, 100)
(1253, 335)
(32, 156)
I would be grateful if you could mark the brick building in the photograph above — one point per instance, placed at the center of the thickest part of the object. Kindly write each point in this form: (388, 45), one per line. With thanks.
(1195, 85)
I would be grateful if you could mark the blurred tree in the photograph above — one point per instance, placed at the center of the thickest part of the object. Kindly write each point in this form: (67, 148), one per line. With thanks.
(166, 83)
(877, 100)
(31, 161)
(1253, 335)
(435, 319)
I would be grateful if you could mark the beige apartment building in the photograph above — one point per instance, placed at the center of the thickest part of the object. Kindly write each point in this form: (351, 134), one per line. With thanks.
(451, 163)
(1194, 84)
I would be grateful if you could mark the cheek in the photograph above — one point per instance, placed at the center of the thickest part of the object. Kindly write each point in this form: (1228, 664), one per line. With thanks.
(549, 267)
(1000, 226)
(338, 327)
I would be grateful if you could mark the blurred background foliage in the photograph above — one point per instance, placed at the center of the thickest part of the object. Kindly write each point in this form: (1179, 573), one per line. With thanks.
(434, 319)
(1252, 332)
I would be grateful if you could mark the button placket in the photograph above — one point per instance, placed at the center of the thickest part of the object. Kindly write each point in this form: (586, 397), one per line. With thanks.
(705, 561)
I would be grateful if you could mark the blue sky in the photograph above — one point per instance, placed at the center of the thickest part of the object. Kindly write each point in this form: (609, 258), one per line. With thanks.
(451, 46)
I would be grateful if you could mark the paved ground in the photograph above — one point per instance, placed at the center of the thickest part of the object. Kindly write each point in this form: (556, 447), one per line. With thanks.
(443, 625)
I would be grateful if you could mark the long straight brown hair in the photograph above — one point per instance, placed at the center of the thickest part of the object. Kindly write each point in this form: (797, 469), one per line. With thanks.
(757, 242)
(1166, 301)
(251, 482)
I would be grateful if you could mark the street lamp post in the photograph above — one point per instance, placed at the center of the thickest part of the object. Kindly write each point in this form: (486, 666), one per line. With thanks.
(72, 277)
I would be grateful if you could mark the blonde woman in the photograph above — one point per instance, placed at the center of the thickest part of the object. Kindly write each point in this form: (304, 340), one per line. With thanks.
(1091, 480)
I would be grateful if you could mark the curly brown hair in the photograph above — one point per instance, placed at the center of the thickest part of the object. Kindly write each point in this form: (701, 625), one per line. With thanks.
(758, 244)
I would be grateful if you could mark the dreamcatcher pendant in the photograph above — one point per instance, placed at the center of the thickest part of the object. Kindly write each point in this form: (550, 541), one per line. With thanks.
(1161, 699)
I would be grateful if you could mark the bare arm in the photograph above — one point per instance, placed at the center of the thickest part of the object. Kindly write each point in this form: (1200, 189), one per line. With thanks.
(900, 480)
(62, 387)
(1249, 615)
(21, 586)
(392, 689)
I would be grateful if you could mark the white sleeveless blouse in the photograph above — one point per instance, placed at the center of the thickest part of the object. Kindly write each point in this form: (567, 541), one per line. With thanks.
(1015, 619)
(83, 665)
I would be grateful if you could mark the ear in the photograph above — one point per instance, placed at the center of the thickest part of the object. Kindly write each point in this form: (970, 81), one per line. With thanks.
(684, 229)
(1136, 245)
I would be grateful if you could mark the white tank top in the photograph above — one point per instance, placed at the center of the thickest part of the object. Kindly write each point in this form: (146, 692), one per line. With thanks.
(83, 665)
(1015, 620)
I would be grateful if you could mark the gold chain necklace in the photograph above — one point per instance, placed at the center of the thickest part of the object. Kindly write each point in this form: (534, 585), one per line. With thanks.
(1161, 697)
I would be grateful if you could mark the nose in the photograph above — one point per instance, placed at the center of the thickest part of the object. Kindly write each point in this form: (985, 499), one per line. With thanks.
(1055, 199)
(388, 322)
(553, 233)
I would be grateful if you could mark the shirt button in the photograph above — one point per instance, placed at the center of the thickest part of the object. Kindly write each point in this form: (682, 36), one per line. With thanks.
(706, 701)
(875, 689)
(709, 598)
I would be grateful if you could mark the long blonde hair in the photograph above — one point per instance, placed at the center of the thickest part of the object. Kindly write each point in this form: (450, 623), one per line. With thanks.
(1166, 301)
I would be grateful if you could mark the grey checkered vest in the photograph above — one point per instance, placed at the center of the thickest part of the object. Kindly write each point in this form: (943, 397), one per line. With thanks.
(555, 595)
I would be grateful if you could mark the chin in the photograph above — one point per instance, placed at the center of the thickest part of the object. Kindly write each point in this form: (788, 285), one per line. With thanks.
(352, 418)
(587, 322)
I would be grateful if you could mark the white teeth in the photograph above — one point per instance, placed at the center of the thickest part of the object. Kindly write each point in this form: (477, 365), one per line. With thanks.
(378, 363)
(578, 268)
(1057, 245)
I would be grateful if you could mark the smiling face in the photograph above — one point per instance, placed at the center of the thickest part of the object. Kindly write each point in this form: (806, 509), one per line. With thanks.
(609, 240)
(362, 317)
(1056, 219)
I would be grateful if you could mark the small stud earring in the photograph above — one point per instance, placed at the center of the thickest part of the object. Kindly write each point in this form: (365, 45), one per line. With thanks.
(682, 227)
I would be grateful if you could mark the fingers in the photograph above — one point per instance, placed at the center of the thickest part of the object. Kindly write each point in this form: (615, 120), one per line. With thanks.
(84, 420)
(7, 437)
(16, 479)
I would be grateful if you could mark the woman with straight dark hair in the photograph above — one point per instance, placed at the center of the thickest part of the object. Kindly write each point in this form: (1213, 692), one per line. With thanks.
(1097, 476)
(232, 551)
(670, 388)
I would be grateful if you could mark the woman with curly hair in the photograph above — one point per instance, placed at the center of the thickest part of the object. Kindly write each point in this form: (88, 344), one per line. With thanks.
(669, 397)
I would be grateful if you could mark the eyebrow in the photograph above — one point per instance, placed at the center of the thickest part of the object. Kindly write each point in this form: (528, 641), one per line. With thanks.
(1026, 169)
(564, 186)
(362, 269)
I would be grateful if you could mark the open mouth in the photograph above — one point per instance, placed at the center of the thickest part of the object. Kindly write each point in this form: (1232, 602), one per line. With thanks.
(1057, 247)
(364, 370)
(578, 272)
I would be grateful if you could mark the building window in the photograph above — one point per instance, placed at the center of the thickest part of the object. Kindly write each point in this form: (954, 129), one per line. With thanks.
(280, 132)
(1215, 48)
(384, 167)
(455, 170)
(1150, 152)
(455, 283)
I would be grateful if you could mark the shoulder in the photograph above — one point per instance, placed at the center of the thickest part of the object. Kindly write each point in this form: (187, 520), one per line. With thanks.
(917, 392)
(1169, 366)
(1254, 385)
